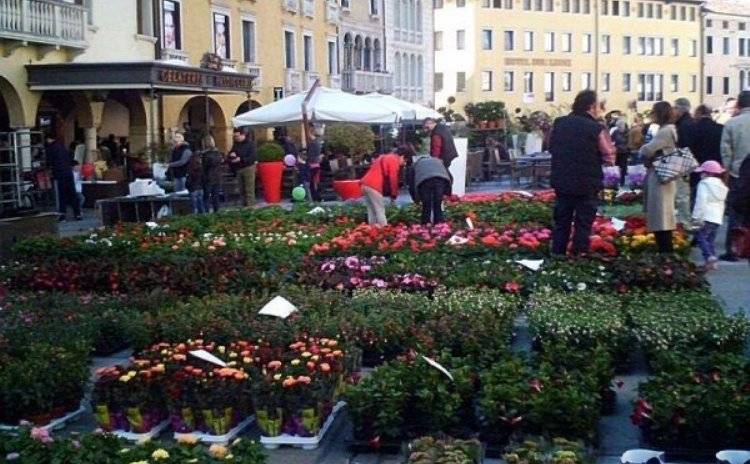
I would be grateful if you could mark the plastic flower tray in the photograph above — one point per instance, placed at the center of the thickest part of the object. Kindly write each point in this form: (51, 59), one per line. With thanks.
(208, 438)
(306, 443)
(54, 424)
(153, 433)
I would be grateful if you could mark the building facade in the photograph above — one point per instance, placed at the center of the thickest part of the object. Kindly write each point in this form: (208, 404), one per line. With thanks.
(409, 48)
(537, 54)
(362, 39)
(727, 50)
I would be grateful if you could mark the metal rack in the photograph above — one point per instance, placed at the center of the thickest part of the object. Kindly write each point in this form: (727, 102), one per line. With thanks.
(18, 151)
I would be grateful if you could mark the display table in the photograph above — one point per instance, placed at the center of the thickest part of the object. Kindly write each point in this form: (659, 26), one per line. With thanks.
(141, 209)
(94, 190)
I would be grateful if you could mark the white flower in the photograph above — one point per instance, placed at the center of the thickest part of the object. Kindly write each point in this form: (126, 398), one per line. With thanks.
(152, 225)
(581, 286)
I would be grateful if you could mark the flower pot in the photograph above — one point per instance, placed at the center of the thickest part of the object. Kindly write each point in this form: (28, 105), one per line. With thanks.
(270, 174)
(347, 189)
(492, 124)
(483, 124)
(500, 123)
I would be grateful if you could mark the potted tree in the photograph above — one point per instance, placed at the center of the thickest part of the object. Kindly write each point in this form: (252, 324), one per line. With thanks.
(349, 142)
(496, 114)
(271, 170)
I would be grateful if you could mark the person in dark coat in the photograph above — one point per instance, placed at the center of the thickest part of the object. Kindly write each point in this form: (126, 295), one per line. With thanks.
(442, 145)
(706, 143)
(212, 159)
(243, 158)
(181, 154)
(620, 138)
(61, 164)
(580, 145)
(429, 182)
(194, 183)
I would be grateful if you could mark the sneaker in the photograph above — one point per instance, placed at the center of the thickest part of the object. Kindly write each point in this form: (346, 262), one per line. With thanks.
(728, 258)
(712, 263)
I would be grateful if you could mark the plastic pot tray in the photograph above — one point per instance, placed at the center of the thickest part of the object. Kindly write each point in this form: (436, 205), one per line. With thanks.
(306, 443)
(226, 438)
(132, 436)
(53, 425)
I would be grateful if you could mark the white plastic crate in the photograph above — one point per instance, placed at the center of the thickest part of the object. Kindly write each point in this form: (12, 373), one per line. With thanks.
(132, 436)
(306, 443)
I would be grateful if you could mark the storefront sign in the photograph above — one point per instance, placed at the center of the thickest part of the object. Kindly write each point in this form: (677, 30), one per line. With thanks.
(537, 62)
(174, 76)
(205, 80)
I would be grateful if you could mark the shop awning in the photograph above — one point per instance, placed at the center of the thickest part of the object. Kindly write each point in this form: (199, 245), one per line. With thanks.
(165, 77)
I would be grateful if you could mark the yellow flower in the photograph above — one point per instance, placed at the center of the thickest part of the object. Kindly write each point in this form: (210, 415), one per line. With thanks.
(159, 454)
(139, 462)
(247, 360)
(187, 439)
(295, 362)
(218, 451)
(125, 378)
(229, 457)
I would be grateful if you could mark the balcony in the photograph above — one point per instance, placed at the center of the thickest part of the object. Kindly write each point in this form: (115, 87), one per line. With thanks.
(308, 8)
(254, 71)
(292, 81)
(332, 12)
(356, 81)
(44, 22)
(334, 81)
(309, 78)
(291, 6)
(175, 56)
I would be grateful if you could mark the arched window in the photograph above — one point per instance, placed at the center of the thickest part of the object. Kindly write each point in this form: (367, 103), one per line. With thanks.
(413, 71)
(358, 49)
(348, 51)
(419, 16)
(368, 55)
(377, 56)
(420, 71)
(397, 73)
(405, 70)
(399, 12)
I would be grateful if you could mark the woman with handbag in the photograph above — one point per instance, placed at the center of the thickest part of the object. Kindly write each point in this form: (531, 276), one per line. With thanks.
(381, 181)
(659, 197)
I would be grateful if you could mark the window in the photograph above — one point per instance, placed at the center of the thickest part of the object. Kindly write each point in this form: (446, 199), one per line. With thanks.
(289, 53)
(508, 38)
(650, 87)
(627, 45)
(659, 47)
(626, 9)
(742, 26)
(145, 15)
(549, 41)
(626, 83)
(576, 6)
(549, 86)
(744, 47)
(527, 5)
(436, 4)
(693, 48)
(528, 41)
(438, 82)
(726, 86)
(606, 45)
(460, 82)
(487, 39)
(615, 7)
(172, 26)
(709, 44)
(709, 23)
(374, 7)
(460, 3)
(709, 85)
(585, 81)
(438, 40)
(725, 25)
(567, 42)
(528, 82)
(586, 43)
(537, 5)
(658, 11)
(307, 50)
(649, 10)
(549, 6)
(565, 7)
(605, 7)
(486, 81)
(345, 4)
(726, 46)
(508, 81)
(586, 6)
(508, 4)
(221, 35)
(248, 41)
(673, 12)
(605, 82)
(567, 83)
(460, 40)
(675, 47)
(333, 61)
(641, 10)
(692, 14)
(674, 83)
(693, 83)
(683, 13)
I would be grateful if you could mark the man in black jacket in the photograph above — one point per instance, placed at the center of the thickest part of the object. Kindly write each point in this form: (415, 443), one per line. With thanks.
(243, 158)
(441, 142)
(706, 144)
(579, 146)
(61, 164)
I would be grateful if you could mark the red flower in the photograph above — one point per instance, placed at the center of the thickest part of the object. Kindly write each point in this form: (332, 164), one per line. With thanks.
(512, 287)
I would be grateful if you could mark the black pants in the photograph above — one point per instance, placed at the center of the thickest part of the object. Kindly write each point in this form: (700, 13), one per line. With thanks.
(211, 193)
(622, 163)
(66, 195)
(431, 193)
(734, 219)
(315, 184)
(664, 241)
(580, 209)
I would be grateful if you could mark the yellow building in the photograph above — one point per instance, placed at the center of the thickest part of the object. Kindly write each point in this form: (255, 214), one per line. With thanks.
(537, 54)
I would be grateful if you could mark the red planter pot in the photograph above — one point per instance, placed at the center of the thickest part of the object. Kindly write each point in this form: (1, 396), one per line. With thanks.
(270, 174)
(347, 189)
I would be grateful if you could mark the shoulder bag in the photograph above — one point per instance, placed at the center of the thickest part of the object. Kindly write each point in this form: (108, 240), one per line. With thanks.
(678, 163)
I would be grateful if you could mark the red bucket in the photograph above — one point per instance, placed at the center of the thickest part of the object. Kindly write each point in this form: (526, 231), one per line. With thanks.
(270, 174)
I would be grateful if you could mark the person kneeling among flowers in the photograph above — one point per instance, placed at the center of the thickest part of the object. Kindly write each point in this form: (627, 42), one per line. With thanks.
(429, 182)
(381, 181)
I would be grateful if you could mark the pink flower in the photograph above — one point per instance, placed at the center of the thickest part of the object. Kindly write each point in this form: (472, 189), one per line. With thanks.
(328, 267)
(41, 435)
(355, 281)
(379, 283)
(352, 262)
(365, 268)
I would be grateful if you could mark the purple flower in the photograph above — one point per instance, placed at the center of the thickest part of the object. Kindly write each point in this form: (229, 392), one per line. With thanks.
(355, 281)
(365, 268)
(379, 283)
(352, 262)
(328, 267)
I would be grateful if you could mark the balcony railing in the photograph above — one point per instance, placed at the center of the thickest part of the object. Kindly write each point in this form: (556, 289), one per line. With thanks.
(310, 78)
(291, 6)
(334, 81)
(366, 81)
(292, 81)
(332, 12)
(254, 71)
(174, 56)
(308, 8)
(43, 21)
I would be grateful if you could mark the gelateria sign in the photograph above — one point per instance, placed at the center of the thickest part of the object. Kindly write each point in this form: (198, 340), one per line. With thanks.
(537, 62)
(203, 79)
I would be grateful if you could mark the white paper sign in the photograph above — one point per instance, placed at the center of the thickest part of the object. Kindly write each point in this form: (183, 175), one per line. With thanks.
(457, 240)
(533, 264)
(524, 193)
(316, 210)
(618, 224)
(159, 170)
(206, 356)
(470, 223)
(278, 307)
(437, 366)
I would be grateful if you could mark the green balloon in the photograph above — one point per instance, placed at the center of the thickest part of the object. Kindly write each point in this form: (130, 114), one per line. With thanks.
(299, 193)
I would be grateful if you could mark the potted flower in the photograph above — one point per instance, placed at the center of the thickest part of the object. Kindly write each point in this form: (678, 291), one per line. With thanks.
(271, 170)
(354, 142)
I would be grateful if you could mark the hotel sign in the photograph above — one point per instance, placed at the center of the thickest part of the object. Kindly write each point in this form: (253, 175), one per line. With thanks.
(537, 62)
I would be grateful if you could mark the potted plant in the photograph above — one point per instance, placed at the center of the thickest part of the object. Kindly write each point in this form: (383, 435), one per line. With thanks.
(496, 114)
(271, 170)
(351, 141)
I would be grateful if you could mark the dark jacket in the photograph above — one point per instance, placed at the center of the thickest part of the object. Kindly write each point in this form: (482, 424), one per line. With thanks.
(59, 160)
(290, 148)
(707, 140)
(181, 156)
(442, 145)
(194, 174)
(314, 151)
(576, 159)
(246, 152)
(685, 135)
(422, 169)
(741, 197)
(211, 159)
(620, 139)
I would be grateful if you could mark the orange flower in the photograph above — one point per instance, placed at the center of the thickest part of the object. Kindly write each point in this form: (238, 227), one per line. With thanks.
(303, 379)
(288, 382)
(325, 367)
(274, 365)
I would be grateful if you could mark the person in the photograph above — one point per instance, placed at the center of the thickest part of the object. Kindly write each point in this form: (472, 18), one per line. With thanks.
(313, 156)
(685, 139)
(243, 157)
(181, 154)
(290, 148)
(709, 209)
(636, 136)
(729, 111)
(494, 154)
(429, 182)
(579, 145)
(735, 148)
(303, 175)
(381, 181)
(706, 142)
(211, 160)
(110, 144)
(78, 183)
(442, 145)
(620, 137)
(659, 198)
(194, 183)
(61, 165)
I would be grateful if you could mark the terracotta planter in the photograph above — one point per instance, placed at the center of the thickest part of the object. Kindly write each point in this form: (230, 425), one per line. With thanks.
(493, 124)
(270, 174)
(500, 123)
(347, 189)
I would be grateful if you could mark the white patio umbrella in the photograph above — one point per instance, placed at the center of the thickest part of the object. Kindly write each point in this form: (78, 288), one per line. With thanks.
(407, 111)
(323, 105)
